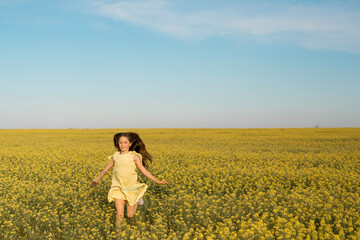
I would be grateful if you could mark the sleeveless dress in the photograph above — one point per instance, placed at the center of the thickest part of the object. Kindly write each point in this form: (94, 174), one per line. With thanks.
(124, 184)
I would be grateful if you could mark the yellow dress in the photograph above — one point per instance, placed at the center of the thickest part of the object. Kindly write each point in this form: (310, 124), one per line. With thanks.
(124, 184)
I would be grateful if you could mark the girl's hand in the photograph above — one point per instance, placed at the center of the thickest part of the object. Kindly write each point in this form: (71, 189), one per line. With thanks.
(165, 182)
(93, 182)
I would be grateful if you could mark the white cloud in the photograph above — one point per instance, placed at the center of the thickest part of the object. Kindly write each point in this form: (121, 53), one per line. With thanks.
(325, 27)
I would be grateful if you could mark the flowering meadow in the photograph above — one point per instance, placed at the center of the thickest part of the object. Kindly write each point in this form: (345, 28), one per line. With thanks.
(224, 184)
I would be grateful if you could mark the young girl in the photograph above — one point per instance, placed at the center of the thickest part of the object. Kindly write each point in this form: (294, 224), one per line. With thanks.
(124, 186)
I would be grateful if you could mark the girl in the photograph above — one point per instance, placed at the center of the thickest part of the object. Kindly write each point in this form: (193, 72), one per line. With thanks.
(131, 153)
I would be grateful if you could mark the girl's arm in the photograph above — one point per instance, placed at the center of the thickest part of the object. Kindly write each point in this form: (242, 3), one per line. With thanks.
(107, 168)
(147, 173)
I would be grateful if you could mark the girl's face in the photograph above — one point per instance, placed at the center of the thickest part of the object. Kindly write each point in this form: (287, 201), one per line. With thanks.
(124, 144)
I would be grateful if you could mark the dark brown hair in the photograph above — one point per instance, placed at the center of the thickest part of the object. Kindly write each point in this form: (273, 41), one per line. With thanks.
(137, 145)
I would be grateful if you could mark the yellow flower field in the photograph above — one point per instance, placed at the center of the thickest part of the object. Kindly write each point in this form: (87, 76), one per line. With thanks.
(224, 184)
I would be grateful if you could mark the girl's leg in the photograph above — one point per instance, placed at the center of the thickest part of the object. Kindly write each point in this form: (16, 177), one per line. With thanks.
(119, 205)
(131, 210)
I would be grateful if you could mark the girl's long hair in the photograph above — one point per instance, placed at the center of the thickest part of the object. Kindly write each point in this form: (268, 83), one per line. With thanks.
(137, 145)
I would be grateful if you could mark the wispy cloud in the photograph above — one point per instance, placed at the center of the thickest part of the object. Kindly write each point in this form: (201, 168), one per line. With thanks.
(317, 27)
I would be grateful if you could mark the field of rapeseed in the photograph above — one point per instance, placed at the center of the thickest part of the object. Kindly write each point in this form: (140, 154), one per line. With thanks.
(224, 184)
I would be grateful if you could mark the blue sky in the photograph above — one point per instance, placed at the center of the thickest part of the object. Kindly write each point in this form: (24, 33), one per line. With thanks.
(161, 64)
